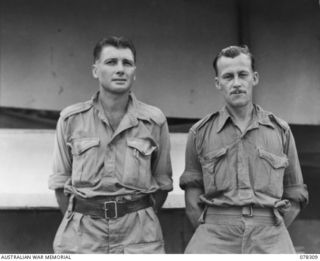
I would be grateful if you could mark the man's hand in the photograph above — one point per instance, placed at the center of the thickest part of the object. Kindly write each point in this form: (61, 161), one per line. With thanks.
(193, 210)
(62, 199)
(159, 197)
(290, 214)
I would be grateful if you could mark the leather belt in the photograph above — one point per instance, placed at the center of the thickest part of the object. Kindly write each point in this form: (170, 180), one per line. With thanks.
(246, 211)
(110, 209)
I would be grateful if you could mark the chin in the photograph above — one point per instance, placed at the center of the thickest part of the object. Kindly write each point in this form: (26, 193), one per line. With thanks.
(238, 104)
(241, 105)
(121, 91)
(118, 89)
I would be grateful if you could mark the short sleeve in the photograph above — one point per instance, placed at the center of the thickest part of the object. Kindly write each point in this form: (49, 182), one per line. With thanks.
(162, 168)
(62, 160)
(192, 175)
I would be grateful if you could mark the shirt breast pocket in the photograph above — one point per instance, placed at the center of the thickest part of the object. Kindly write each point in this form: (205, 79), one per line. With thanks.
(214, 169)
(270, 172)
(84, 154)
(137, 169)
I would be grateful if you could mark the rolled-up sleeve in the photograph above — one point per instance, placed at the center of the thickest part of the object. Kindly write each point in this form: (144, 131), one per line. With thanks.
(162, 168)
(192, 175)
(62, 160)
(294, 188)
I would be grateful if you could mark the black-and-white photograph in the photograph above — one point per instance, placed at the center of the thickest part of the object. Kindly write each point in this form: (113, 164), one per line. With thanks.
(159, 127)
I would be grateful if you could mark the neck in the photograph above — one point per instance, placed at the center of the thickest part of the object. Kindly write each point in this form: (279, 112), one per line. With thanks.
(113, 103)
(241, 114)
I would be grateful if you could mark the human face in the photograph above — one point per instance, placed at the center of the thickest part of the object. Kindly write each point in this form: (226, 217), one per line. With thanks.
(236, 80)
(115, 70)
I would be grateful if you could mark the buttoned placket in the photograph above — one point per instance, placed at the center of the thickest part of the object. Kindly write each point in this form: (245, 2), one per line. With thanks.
(245, 186)
(109, 159)
(129, 120)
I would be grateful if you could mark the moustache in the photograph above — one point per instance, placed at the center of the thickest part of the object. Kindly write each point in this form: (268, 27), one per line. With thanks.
(238, 92)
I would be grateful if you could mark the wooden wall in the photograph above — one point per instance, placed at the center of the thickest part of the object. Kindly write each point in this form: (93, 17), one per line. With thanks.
(46, 50)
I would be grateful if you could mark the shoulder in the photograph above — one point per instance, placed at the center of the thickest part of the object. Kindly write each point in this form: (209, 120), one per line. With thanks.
(151, 112)
(204, 122)
(75, 109)
(276, 120)
(280, 122)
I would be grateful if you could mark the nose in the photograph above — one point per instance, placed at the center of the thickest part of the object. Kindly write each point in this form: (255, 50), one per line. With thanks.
(236, 82)
(120, 68)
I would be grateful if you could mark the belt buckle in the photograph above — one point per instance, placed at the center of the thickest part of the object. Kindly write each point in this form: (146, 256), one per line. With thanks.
(246, 213)
(107, 209)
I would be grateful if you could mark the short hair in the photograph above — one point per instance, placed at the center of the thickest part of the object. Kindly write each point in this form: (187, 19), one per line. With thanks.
(231, 52)
(115, 41)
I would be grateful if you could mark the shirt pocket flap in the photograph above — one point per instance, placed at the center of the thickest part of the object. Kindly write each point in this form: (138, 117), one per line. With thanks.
(142, 145)
(83, 144)
(275, 161)
(216, 154)
(210, 159)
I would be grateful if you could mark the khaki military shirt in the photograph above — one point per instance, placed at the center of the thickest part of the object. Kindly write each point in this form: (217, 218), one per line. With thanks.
(259, 166)
(92, 160)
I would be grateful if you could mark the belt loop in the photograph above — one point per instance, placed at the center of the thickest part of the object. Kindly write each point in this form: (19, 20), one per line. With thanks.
(203, 215)
(247, 211)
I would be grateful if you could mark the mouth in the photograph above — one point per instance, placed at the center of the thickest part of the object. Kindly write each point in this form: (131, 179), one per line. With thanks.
(236, 92)
(120, 80)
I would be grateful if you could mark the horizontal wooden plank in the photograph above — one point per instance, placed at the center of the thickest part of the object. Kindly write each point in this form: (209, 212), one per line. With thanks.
(26, 158)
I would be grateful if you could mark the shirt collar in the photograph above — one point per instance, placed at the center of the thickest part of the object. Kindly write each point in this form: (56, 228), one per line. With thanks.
(262, 117)
(134, 111)
(224, 115)
(259, 117)
(131, 106)
(94, 99)
(98, 106)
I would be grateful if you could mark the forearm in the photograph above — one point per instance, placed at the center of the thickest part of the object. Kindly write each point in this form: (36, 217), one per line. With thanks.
(62, 200)
(159, 198)
(193, 209)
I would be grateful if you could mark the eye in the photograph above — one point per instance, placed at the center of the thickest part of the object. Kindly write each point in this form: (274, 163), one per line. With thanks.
(110, 62)
(128, 63)
(227, 76)
(243, 74)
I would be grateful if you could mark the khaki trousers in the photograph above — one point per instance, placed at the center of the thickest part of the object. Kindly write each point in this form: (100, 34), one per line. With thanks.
(237, 234)
(135, 233)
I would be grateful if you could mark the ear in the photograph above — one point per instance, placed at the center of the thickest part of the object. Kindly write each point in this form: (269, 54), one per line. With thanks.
(95, 71)
(217, 83)
(134, 73)
(255, 78)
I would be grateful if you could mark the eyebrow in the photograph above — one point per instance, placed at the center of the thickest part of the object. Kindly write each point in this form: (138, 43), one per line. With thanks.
(117, 58)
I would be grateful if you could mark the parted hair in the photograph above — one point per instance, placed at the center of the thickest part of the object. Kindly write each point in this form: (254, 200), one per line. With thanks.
(231, 52)
(119, 42)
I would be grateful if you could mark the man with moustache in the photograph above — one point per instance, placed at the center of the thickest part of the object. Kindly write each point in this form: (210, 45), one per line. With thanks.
(112, 167)
(242, 180)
